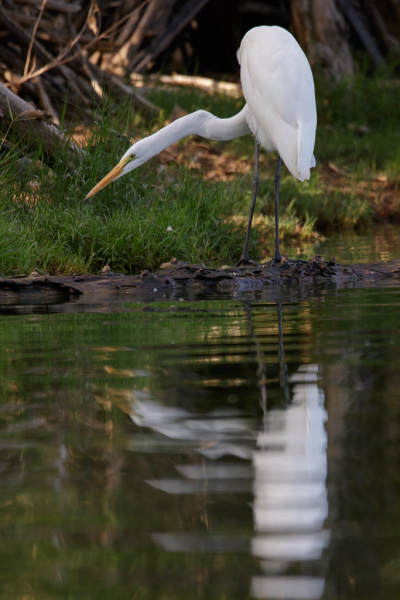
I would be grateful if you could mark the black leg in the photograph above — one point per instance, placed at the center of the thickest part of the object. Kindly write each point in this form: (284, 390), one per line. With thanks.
(277, 181)
(262, 366)
(244, 259)
(283, 377)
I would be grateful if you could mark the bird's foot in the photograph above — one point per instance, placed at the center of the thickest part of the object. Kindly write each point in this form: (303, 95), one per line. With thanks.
(278, 258)
(282, 260)
(245, 260)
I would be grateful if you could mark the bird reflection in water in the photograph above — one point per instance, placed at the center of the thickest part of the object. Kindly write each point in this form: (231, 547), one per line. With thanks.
(286, 470)
(290, 495)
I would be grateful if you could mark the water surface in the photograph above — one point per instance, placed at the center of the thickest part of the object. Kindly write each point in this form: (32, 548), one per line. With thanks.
(373, 245)
(222, 448)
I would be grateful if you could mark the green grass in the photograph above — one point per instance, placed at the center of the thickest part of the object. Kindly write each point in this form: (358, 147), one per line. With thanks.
(126, 228)
(47, 226)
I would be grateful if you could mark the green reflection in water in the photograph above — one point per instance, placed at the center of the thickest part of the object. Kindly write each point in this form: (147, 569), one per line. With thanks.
(77, 512)
(379, 244)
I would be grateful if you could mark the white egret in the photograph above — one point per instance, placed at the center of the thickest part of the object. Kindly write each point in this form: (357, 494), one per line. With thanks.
(280, 111)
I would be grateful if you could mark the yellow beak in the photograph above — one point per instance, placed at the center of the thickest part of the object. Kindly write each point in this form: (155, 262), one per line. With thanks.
(112, 175)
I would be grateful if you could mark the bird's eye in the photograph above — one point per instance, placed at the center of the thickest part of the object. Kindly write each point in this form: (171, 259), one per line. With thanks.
(131, 157)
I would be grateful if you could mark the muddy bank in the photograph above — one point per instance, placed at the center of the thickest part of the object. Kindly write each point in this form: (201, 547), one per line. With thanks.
(178, 275)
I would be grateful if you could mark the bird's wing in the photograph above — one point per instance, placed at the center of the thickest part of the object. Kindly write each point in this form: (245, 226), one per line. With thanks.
(279, 89)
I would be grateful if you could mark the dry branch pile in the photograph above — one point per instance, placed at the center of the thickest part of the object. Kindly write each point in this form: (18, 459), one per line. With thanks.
(51, 47)
(53, 50)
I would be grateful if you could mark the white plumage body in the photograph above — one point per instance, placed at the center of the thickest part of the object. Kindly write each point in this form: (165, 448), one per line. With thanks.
(278, 88)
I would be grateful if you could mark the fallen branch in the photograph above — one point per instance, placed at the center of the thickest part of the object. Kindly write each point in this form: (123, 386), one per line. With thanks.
(32, 126)
(206, 84)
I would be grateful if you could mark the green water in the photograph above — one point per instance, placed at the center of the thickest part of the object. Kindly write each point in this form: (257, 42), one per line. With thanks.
(379, 244)
(214, 448)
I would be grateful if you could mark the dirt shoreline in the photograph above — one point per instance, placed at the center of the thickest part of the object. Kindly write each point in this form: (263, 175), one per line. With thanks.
(178, 276)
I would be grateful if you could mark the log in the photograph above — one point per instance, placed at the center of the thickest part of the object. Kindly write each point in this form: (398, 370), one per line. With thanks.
(32, 129)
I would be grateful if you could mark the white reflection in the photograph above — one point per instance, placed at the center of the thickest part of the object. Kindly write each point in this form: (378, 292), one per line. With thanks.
(289, 519)
(290, 495)
(308, 546)
(220, 429)
(180, 424)
(289, 588)
(149, 413)
(284, 467)
(224, 449)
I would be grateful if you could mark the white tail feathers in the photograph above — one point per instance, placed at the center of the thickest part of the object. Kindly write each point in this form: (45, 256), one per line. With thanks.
(305, 162)
(303, 165)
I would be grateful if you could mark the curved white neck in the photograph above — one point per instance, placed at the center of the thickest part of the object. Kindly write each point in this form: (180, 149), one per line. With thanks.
(198, 123)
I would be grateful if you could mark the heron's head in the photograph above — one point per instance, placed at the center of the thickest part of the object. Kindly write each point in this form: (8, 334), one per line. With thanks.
(131, 160)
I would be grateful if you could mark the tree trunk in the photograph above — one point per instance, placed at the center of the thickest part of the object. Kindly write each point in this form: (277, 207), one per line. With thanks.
(322, 32)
